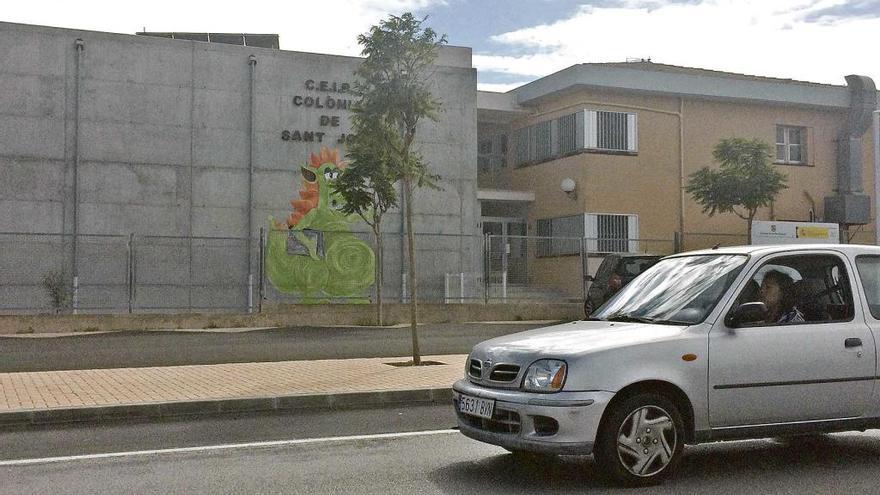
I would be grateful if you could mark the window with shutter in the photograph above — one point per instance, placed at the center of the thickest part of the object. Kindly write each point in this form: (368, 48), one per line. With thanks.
(611, 233)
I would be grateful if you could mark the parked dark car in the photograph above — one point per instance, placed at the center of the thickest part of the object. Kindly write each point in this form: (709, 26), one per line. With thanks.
(616, 271)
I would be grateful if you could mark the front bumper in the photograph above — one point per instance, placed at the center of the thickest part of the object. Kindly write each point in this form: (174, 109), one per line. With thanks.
(525, 421)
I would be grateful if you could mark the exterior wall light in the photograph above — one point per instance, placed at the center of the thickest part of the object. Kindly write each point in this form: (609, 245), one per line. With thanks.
(569, 187)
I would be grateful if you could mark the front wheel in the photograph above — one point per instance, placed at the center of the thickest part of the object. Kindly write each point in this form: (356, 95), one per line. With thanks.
(641, 440)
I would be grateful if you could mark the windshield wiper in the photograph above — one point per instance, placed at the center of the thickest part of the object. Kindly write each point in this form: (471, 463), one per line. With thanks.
(624, 317)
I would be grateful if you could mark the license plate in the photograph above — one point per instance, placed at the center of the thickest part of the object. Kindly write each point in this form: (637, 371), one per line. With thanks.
(476, 406)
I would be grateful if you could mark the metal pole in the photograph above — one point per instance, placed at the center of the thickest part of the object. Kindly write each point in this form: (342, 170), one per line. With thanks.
(130, 272)
(252, 63)
(486, 248)
(584, 267)
(262, 269)
(79, 46)
(75, 294)
(461, 286)
(446, 298)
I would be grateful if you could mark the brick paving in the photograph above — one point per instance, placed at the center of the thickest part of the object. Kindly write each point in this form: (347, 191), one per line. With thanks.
(28, 391)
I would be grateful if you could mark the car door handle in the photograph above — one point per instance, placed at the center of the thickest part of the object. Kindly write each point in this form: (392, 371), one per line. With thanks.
(852, 342)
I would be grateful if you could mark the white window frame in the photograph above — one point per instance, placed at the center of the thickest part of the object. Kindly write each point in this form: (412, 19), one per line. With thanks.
(591, 231)
(787, 144)
(591, 131)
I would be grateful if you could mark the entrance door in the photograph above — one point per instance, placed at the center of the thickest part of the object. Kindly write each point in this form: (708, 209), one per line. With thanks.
(508, 249)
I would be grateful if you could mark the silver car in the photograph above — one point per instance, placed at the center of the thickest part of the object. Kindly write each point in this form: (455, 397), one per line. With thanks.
(710, 345)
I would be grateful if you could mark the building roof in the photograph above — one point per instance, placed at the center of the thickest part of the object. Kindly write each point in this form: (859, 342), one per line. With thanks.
(697, 71)
(678, 81)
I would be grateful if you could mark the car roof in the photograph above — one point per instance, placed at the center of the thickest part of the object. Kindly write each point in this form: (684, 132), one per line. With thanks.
(851, 249)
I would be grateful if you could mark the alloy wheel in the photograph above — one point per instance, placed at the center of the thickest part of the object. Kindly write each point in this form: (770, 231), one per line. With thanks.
(646, 441)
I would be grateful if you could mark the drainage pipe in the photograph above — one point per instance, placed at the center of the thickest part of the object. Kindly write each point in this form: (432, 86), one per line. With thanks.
(79, 46)
(252, 62)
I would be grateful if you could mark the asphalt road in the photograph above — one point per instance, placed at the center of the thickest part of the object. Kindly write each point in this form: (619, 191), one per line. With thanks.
(430, 462)
(172, 348)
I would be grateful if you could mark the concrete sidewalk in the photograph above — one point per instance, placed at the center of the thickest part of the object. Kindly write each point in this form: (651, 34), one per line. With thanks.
(83, 395)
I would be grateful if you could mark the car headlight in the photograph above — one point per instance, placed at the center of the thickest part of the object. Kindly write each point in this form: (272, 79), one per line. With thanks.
(545, 375)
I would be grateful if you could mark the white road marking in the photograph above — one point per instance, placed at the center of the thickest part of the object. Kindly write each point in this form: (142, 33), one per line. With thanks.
(232, 446)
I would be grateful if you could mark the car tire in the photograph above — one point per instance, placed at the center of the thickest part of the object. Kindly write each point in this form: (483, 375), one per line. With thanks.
(640, 441)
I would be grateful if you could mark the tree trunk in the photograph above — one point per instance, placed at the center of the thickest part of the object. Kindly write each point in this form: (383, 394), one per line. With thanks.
(380, 265)
(749, 229)
(413, 288)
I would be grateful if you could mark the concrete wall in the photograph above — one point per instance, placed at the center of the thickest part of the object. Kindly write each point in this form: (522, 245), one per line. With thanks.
(163, 138)
(283, 315)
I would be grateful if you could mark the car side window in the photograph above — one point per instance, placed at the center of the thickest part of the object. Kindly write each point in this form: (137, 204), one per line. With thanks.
(801, 289)
(869, 274)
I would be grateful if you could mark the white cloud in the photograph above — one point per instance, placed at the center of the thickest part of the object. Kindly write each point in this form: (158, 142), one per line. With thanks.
(768, 37)
(324, 26)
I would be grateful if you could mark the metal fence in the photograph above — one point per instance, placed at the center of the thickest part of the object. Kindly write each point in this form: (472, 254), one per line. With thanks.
(167, 274)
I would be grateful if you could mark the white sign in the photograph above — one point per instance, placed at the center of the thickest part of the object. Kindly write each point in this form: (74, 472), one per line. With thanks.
(794, 233)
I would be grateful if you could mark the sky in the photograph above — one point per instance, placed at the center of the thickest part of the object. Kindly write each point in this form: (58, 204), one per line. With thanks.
(517, 41)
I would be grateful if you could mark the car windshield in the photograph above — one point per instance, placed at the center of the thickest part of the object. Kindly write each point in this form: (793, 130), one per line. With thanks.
(681, 290)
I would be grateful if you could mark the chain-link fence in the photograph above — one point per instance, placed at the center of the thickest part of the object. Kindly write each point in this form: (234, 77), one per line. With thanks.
(553, 268)
(166, 274)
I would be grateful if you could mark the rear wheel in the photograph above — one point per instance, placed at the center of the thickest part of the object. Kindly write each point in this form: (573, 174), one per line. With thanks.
(641, 440)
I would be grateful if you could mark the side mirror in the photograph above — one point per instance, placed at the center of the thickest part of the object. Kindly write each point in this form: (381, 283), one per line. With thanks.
(751, 312)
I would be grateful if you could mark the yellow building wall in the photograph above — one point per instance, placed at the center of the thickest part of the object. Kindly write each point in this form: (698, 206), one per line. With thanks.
(647, 183)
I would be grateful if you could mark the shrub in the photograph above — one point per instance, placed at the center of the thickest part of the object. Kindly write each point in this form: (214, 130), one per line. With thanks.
(57, 287)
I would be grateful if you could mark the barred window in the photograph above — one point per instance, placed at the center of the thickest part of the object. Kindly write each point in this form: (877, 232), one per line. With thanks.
(586, 129)
(611, 233)
(567, 129)
(542, 150)
(560, 236)
(611, 131)
(521, 145)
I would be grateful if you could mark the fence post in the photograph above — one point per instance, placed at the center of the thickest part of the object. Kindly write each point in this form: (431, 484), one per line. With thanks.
(130, 271)
(75, 300)
(584, 268)
(262, 267)
(486, 264)
(461, 287)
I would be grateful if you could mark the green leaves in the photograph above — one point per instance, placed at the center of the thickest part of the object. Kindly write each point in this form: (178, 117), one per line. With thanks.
(393, 95)
(746, 178)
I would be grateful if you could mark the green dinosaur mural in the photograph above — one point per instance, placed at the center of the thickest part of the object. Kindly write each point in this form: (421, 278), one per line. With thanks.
(314, 254)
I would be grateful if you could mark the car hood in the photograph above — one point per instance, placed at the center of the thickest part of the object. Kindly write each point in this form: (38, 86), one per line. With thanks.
(570, 340)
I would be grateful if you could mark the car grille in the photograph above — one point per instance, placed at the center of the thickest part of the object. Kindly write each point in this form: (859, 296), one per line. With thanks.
(504, 373)
(502, 421)
(475, 369)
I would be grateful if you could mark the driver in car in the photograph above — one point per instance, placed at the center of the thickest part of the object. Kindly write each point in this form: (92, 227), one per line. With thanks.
(777, 293)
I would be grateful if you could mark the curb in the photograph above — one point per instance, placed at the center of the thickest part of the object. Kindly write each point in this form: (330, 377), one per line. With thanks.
(348, 400)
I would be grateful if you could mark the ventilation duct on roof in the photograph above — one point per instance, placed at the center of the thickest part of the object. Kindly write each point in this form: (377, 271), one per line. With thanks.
(850, 206)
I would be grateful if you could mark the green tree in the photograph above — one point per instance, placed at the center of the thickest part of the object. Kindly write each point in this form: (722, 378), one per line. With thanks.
(394, 90)
(367, 186)
(745, 181)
